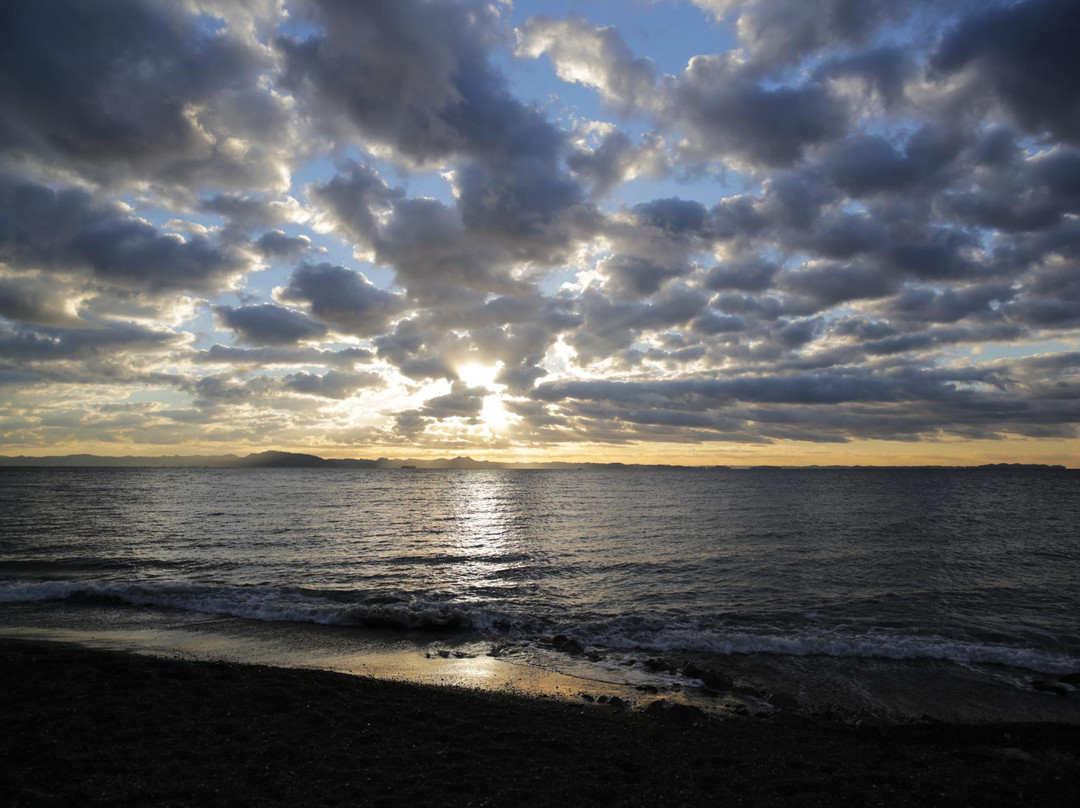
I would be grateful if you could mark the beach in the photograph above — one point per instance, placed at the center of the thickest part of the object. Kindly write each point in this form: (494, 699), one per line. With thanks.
(92, 727)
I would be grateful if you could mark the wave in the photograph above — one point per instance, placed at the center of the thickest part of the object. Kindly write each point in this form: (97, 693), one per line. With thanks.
(637, 634)
(679, 638)
(272, 604)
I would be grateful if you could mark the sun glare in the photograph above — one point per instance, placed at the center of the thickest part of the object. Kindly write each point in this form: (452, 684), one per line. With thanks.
(474, 374)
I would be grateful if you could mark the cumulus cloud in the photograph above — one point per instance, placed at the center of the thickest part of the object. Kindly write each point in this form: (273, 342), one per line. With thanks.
(1020, 56)
(267, 324)
(594, 56)
(133, 91)
(67, 231)
(342, 298)
(860, 221)
(332, 384)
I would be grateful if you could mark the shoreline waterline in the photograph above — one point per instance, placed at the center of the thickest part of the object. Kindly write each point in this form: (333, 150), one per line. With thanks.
(853, 689)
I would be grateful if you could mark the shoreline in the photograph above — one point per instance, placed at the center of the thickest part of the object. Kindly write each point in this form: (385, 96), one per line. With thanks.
(868, 690)
(105, 727)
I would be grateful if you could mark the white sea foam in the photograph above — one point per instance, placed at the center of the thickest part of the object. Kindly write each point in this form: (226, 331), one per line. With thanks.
(872, 644)
(639, 634)
(268, 604)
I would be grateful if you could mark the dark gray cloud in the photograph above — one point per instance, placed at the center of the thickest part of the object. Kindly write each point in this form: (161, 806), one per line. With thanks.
(267, 324)
(245, 212)
(629, 277)
(32, 299)
(354, 197)
(399, 73)
(719, 104)
(1024, 57)
(48, 344)
(778, 33)
(726, 112)
(749, 275)
(610, 328)
(461, 402)
(616, 159)
(885, 71)
(66, 231)
(342, 298)
(868, 164)
(873, 198)
(842, 405)
(345, 358)
(337, 384)
(131, 90)
(276, 244)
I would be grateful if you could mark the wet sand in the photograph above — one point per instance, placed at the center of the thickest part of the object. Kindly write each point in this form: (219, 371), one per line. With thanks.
(94, 727)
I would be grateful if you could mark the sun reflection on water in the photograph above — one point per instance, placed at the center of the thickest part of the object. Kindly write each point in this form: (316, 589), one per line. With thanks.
(484, 536)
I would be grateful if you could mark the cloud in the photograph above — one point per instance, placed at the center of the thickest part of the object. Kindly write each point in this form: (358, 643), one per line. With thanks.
(345, 358)
(66, 231)
(134, 91)
(594, 56)
(719, 104)
(30, 298)
(461, 402)
(723, 110)
(1021, 56)
(276, 244)
(267, 324)
(616, 160)
(49, 344)
(335, 384)
(342, 298)
(778, 33)
(829, 232)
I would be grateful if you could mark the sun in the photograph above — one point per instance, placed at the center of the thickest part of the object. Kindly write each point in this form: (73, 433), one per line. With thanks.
(475, 374)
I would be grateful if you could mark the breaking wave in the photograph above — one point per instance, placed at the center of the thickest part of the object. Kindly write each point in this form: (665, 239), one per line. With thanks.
(607, 635)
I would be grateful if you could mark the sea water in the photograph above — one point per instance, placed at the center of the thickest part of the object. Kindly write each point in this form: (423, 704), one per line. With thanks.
(978, 568)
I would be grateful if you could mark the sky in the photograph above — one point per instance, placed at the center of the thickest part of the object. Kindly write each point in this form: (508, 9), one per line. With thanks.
(708, 232)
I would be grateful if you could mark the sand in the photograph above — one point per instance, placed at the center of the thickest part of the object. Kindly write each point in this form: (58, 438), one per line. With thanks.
(92, 727)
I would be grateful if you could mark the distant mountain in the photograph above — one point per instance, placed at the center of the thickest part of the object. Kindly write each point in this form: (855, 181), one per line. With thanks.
(275, 459)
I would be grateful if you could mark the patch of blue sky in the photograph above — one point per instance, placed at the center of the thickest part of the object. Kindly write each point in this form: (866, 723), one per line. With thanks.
(173, 398)
(989, 351)
(706, 187)
(205, 332)
(670, 32)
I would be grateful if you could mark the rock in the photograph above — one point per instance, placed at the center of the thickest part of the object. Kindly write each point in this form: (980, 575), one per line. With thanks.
(615, 701)
(568, 645)
(647, 688)
(714, 680)
(587, 697)
(1047, 686)
(656, 708)
(602, 700)
(783, 701)
(1071, 679)
(685, 715)
(752, 692)
(657, 665)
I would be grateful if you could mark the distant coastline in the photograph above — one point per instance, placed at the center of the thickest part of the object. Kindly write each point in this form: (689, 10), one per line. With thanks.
(276, 459)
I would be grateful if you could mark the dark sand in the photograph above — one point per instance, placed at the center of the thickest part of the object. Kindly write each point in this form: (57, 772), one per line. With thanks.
(85, 727)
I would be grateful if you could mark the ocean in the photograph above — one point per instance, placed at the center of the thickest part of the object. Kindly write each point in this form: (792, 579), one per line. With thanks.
(871, 574)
